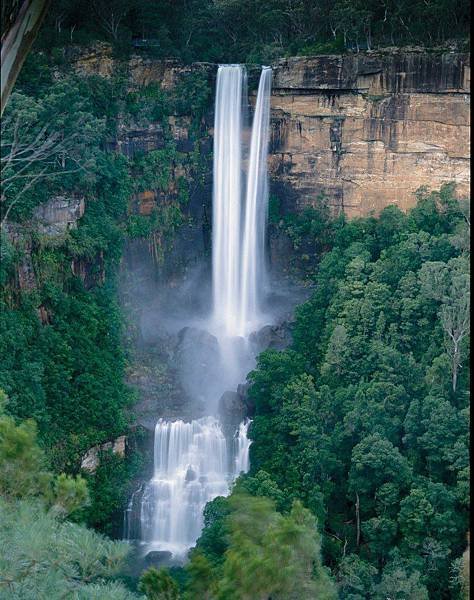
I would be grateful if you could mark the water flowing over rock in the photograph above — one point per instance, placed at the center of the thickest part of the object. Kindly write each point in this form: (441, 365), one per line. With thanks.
(226, 251)
(252, 273)
(242, 442)
(239, 243)
(193, 465)
(196, 461)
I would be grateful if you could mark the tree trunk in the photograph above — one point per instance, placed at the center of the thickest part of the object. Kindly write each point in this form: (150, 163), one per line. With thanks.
(17, 42)
(455, 367)
(357, 507)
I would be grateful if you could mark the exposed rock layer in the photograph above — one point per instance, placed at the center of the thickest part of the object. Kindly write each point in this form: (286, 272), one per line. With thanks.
(369, 130)
(364, 130)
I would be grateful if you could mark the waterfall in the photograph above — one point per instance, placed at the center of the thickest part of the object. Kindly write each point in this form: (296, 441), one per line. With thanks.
(252, 274)
(241, 461)
(239, 227)
(194, 462)
(191, 467)
(227, 192)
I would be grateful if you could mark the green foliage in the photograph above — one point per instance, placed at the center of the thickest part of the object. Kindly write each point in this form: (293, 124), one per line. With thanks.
(23, 469)
(262, 553)
(253, 31)
(110, 488)
(158, 585)
(44, 557)
(364, 418)
(311, 233)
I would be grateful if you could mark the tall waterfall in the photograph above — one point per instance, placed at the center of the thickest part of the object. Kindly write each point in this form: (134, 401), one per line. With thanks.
(252, 274)
(194, 462)
(239, 222)
(227, 192)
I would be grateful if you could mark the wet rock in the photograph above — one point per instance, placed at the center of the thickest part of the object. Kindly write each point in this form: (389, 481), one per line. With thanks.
(197, 359)
(158, 558)
(190, 475)
(231, 407)
(242, 391)
(276, 337)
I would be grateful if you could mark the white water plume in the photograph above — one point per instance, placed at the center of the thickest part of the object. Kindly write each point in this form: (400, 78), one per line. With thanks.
(192, 465)
(239, 227)
(252, 272)
(227, 191)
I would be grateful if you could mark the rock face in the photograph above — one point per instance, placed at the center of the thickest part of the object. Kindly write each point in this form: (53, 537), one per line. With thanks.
(59, 214)
(368, 130)
(364, 130)
(91, 459)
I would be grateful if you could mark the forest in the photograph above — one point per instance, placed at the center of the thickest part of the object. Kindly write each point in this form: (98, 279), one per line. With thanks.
(358, 484)
(253, 30)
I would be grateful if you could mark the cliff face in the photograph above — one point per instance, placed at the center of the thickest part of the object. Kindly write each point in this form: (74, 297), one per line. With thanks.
(368, 130)
(363, 130)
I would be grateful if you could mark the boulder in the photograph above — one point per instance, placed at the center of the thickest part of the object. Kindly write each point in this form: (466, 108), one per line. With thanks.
(231, 407)
(158, 558)
(276, 337)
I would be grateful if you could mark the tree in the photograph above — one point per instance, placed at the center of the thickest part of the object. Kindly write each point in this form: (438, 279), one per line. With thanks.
(158, 585)
(45, 557)
(23, 23)
(111, 14)
(449, 284)
(271, 554)
(23, 472)
(397, 583)
(202, 582)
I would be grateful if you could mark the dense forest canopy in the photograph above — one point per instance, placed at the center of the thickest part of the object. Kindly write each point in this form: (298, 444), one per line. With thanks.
(365, 418)
(254, 30)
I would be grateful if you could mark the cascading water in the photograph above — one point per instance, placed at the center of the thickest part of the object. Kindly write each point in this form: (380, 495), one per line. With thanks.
(193, 462)
(226, 252)
(191, 468)
(242, 442)
(252, 273)
(239, 243)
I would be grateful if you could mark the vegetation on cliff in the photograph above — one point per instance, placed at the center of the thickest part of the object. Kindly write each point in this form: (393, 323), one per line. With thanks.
(62, 360)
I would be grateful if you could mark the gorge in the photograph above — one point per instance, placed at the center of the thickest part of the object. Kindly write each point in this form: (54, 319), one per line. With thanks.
(194, 462)
(234, 303)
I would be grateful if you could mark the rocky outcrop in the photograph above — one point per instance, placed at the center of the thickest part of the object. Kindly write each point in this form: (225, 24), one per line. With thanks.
(91, 459)
(58, 215)
(368, 130)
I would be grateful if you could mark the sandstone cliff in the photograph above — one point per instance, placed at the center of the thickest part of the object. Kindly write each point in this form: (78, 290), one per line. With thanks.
(369, 130)
(363, 130)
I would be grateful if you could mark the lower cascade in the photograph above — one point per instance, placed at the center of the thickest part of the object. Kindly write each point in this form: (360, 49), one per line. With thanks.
(193, 464)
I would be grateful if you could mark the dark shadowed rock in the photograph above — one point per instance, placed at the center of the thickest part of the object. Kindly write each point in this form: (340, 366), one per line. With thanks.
(276, 337)
(231, 406)
(197, 359)
(158, 558)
